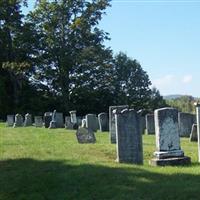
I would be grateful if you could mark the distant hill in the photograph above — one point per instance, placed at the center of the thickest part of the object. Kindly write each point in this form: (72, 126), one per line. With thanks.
(172, 96)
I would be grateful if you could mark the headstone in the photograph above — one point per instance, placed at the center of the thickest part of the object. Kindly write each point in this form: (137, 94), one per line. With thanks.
(168, 150)
(18, 121)
(85, 135)
(83, 125)
(47, 119)
(73, 116)
(112, 126)
(71, 126)
(53, 121)
(79, 121)
(198, 127)
(142, 121)
(92, 122)
(150, 124)
(10, 120)
(186, 120)
(38, 121)
(193, 135)
(129, 138)
(59, 120)
(103, 122)
(28, 120)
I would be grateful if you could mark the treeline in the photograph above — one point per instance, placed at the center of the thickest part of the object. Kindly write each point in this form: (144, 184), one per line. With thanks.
(55, 58)
(183, 103)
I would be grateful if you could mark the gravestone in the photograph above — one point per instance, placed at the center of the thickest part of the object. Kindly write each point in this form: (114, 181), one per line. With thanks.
(85, 135)
(59, 120)
(18, 121)
(168, 150)
(186, 120)
(150, 124)
(47, 119)
(103, 122)
(83, 125)
(92, 122)
(53, 121)
(193, 135)
(10, 120)
(79, 121)
(112, 126)
(129, 138)
(38, 121)
(142, 121)
(71, 126)
(197, 104)
(73, 116)
(28, 120)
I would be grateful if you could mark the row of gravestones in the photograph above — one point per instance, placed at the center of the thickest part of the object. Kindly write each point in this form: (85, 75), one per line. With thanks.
(186, 122)
(55, 120)
(125, 131)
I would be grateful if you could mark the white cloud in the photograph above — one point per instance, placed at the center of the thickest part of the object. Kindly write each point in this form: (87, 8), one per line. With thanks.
(187, 79)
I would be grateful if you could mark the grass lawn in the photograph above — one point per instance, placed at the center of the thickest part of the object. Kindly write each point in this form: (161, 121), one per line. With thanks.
(42, 164)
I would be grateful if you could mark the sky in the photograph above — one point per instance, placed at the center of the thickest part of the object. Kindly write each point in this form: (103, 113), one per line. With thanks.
(163, 35)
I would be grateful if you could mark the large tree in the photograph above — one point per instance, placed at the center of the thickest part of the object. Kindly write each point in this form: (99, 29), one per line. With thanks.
(131, 82)
(69, 52)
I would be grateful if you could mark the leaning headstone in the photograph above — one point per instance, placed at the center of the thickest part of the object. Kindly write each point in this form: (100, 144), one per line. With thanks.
(38, 121)
(150, 124)
(193, 135)
(168, 150)
(73, 116)
(85, 135)
(10, 120)
(28, 120)
(129, 138)
(112, 126)
(53, 121)
(186, 120)
(103, 122)
(47, 119)
(18, 121)
(92, 122)
(59, 120)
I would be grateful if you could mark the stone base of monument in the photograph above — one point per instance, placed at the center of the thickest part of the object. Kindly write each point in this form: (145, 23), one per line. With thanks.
(170, 161)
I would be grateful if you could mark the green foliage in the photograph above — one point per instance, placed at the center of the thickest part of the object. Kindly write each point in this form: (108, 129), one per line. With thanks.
(183, 104)
(39, 164)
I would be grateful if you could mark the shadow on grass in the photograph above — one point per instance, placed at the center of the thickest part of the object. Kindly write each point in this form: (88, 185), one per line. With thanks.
(27, 179)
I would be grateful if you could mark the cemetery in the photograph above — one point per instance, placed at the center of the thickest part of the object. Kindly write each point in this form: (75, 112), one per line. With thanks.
(99, 100)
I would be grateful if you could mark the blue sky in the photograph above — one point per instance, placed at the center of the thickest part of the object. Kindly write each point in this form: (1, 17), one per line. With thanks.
(163, 35)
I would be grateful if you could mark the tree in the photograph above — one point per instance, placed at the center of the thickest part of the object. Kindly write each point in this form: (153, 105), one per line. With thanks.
(131, 84)
(69, 52)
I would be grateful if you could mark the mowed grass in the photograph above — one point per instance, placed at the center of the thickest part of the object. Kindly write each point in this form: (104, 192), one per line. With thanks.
(43, 164)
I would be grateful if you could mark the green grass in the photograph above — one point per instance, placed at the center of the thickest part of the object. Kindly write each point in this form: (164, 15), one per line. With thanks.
(43, 164)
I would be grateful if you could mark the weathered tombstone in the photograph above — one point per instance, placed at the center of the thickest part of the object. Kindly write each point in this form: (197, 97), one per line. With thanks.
(92, 122)
(129, 138)
(186, 120)
(53, 121)
(83, 125)
(10, 120)
(18, 121)
(193, 135)
(85, 135)
(79, 121)
(38, 121)
(47, 119)
(73, 116)
(168, 150)
(103, 122)
(198, 127)
(59, 120)
(28, 120)
(112, 127)
(142, 121)
(150, 124)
